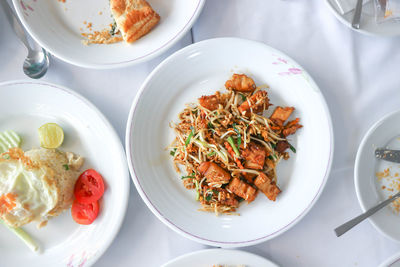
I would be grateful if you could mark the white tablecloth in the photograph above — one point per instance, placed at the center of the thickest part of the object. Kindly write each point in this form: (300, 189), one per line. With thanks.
(359, 76)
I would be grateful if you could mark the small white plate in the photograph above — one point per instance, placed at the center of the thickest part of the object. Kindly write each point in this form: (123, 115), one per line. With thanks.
(393, 261)
(367, 23)
(25, 106)
(224, 257)
(57, 27)
(385, 132)
(201, 69)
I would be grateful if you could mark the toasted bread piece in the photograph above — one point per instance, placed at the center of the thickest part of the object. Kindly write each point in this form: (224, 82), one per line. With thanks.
(134, 18)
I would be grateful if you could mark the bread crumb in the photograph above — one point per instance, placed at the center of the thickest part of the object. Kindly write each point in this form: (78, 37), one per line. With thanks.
(384, 174)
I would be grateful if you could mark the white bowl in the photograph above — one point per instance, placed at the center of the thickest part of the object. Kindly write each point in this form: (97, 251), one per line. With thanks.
(56, 27)
(202, 69)
(223, 257)
(385, 132)
(27, 105)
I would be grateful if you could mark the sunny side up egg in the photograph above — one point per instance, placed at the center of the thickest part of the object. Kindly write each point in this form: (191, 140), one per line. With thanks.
(26, 192)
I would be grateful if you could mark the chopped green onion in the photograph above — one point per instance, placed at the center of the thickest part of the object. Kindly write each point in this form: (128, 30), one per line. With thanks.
(209, 196)
(243, 97)
(212, 153)
(292, 148)
(66, 167)
(270, 157)
(239, 136)
(273, 145)
(6, 156)
(232, 143)
(24, 236)
(189, 137)
(173, 151)
(210, 125)
(189, 176)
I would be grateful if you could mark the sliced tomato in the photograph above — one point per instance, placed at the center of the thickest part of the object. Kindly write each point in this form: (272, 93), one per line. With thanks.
(84, 213)
(89, 187)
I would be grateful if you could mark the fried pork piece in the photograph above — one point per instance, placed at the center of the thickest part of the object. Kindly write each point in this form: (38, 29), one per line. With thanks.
(281, 146)
(210, 102)
(254, 155)
(227, 199)
(241, 83)
(267, 186)
(214, 173)
(291, 127)
(280, 115)
(255, 103)
(242, 189)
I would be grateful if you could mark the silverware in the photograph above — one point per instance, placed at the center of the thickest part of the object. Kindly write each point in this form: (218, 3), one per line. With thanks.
(357, 15)
(388, 154)
(37, 61)
(350, 224)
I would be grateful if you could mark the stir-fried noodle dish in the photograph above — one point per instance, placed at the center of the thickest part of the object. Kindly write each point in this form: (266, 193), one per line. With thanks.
(228, 148)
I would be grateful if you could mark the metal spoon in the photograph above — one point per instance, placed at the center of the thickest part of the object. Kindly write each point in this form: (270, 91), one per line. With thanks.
(357, 15)
(37, 61)
(350, 224)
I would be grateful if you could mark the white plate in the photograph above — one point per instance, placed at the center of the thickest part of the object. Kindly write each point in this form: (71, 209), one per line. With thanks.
(368, 24)
(25, 107)
(385, 132)
(393, 261)
(201, 69)
(56, 26)
(224, 257)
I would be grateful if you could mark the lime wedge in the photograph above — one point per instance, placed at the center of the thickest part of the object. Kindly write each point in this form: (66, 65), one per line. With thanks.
(9, 139)
(51, 135)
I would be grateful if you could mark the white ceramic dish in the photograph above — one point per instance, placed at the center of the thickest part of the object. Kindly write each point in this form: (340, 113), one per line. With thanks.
(385, 132)
(57, 27)
(224, 257)
(25, 107)
(393, 261)
(201, 69)
(368, 24)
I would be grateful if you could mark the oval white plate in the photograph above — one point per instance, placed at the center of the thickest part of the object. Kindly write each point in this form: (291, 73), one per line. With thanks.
(224, 257)
(385, 132)
(393, 261)
(25, 107)
(57, 27)
(368, 24)
(201, 69)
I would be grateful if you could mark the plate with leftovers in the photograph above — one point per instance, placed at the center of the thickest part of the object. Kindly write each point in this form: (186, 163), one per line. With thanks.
(219, 258)
(236, 128)
(368, 24)
(107, 34)
(64, 184)
(376, 179)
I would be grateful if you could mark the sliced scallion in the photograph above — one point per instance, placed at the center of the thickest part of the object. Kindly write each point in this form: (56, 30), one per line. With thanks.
(232, 143)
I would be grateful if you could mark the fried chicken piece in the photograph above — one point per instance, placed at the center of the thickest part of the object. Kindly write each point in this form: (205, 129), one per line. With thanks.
(267, 186)
(241, 83)
(227, 199)
(210, 102)
(214, 173)
(256, 103)
(242, 189)
(280, 115)
(254, 155)
(291, 127)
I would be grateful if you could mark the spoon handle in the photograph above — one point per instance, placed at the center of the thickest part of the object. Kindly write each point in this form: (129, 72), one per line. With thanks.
(350, 224)
(15, 23)
(357, 15)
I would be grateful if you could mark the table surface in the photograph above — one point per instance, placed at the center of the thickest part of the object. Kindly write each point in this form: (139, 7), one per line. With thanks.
(357, 74)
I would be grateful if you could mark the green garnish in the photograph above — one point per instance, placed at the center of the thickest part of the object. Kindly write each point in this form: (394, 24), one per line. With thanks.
(66, 167)
(292, 148)
(239, 136)
(209, 196)
(189, 176)
(189, 137)
(243, 97)
(114, 28)
(270, 157)
(212, 153)
(173, 151)
(232, 143)
(24, 236)
(197, 190)
(273, 145)
(210, 125)
(6, 156)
